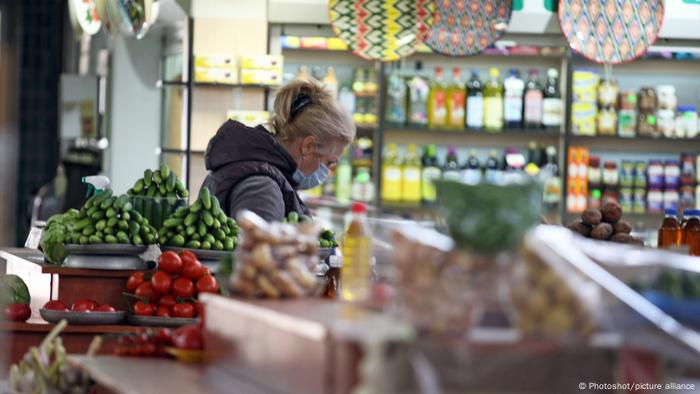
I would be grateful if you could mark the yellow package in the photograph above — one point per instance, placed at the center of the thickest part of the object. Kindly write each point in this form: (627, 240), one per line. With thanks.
(216, 61)
(248, 118)
(261, 77)
(215, 75)
(262, 62)
(583, 118)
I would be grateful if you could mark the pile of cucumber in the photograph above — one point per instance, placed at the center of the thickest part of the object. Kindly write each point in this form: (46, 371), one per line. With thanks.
(158, 194)
(326, 238)
(107, 219)
(203, 225)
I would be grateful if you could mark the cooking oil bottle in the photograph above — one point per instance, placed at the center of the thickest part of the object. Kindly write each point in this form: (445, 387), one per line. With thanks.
(356, 245)
(691, 231)
(670, 231)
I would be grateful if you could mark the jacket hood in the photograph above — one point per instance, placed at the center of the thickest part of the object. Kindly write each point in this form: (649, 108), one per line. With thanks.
(235, 142)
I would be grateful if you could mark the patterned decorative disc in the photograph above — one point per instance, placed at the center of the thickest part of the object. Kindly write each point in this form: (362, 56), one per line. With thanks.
(383, 30)
(467, 27)
(611, 31)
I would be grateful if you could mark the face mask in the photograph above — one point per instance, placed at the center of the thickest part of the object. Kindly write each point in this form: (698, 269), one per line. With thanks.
(319, 176)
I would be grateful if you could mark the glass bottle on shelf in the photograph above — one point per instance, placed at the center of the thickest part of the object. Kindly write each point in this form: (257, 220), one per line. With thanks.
(670, 230)
(431, 171)
(552, 182)
(493, 172)
(358, 88)
(452, 169)
(396, 93)
(551, 105)
(391, 175)
(418, 90)
(343, 179)
(370, 117)
(513, 100)
(411, 176)
(362, 186)
(475, 102)
(330, 82)
(437, 101)
(456, 101)
(533, 101)
(303, 74)
(472, 173)
(534, 159)
(493, 102)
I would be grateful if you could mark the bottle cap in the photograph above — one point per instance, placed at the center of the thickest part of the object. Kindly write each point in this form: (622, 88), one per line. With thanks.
(671, 212)
(358, 207)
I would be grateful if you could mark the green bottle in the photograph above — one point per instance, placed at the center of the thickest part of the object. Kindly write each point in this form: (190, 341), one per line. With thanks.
(493, 102)
(431, 171)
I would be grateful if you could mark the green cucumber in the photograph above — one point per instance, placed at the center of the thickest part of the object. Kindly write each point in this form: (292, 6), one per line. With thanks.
(219, 234)
(100, 225)
(111, 222)
(205, 197)
(182, 191)
(138, 186)
(137, 240)
(75, 238)
(190, 230)
(157, 177)
(108, 203)
(215, 206)
(209, 238)
(172, 222)
(111, 212)
(92, 211)
(163, 240)
(231, 222)
(123, 225)
(111, 239)
(196, 237)
(202, 230)
(180, 229)
(226, 230)
(89, 201)
(89, 230)
(150, 239)
(170, 182)
(127, 207)
(126, 216)
(216, 224)
(123, 237)
(191, 219)
(293, 218)
(196, 207)
(97, 216)
(164, 170)
(108, 231)
(120, 201)
(148, 211)
(217, 245)
(180, 213)
(194, 244)
(134, 228)
(206, 245)
(84, 240)
(137, 216)
(147, 178)
(94, 239)
(177, 240)
(228, 244)
(151, 190)
(82, 214)
(223, 218)
(157, 214)
(162, 190)
(102, 197)
(207, 218)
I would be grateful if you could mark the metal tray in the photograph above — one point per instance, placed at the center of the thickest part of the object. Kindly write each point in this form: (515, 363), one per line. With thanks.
(201, 254)
(102, 262)
(157, 321)
(107, 249)
(83, 318)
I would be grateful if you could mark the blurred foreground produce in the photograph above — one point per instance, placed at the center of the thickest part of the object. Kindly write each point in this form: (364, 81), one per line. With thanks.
(44, 369)
(275, 259)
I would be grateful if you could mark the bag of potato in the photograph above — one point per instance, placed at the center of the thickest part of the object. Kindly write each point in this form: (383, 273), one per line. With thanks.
(275, 260)
(552, 299)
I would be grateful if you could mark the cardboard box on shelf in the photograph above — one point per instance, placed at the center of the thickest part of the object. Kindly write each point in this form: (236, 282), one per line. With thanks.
(261, 62)
(215, 75)
(261, 77)
(216, 61)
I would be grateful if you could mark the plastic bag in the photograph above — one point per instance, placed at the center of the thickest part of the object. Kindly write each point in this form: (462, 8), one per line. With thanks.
(275, 260)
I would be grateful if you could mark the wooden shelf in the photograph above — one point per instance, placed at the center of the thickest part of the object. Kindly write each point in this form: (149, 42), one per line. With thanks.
(45, 327)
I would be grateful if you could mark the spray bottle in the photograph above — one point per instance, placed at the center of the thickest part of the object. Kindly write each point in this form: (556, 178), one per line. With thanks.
(96, 184)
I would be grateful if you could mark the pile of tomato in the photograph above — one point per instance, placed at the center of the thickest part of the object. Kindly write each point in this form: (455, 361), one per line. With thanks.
(152, 342)
(172, 289)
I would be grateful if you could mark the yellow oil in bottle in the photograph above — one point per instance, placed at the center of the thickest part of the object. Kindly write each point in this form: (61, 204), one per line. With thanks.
(356, 246)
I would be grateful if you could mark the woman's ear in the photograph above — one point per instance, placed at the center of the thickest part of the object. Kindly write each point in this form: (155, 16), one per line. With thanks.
(307, 145)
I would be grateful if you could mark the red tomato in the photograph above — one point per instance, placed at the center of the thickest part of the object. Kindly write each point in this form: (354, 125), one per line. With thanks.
(170, 262)
(84, 306)
(207, 284)
(161, 282)
(17, 312)
(105, 308)
(187, 255)
(185, 309)
(163, 311)
(145, 289)
(125, 340)
(134, 281)
(188, 337)
(183, 287)
(163, 335)
(167, 300)
(192, 269)
(143, 309)
(148, 349)
(56, 306)
(135, 350)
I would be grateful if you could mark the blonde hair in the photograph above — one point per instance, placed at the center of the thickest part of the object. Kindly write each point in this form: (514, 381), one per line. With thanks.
(315, 113)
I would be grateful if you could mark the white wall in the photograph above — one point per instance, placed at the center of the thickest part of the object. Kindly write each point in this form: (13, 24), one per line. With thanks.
(134, 109)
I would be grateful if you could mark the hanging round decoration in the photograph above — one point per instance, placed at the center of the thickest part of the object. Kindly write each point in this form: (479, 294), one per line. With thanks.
(611, 31)
(467, 27)
(84, 16)
(383, 30)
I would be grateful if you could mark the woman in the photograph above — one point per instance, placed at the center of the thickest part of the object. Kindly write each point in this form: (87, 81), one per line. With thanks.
(260, 170)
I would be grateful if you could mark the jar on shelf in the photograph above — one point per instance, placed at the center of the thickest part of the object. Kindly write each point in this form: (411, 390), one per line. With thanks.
(666, 97)
(647, 99)
(646, 125)
(671, 198)
(672, 174)
(626, 199)
(640, 174)
(611, 178)
(607, 121)
(639, 204)
(666, 122)
(595, 176)
(607, 93)
(686, 122)
(627, 174)
(627, 117)
(688, 173)
(655, 174)
(655, 201)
